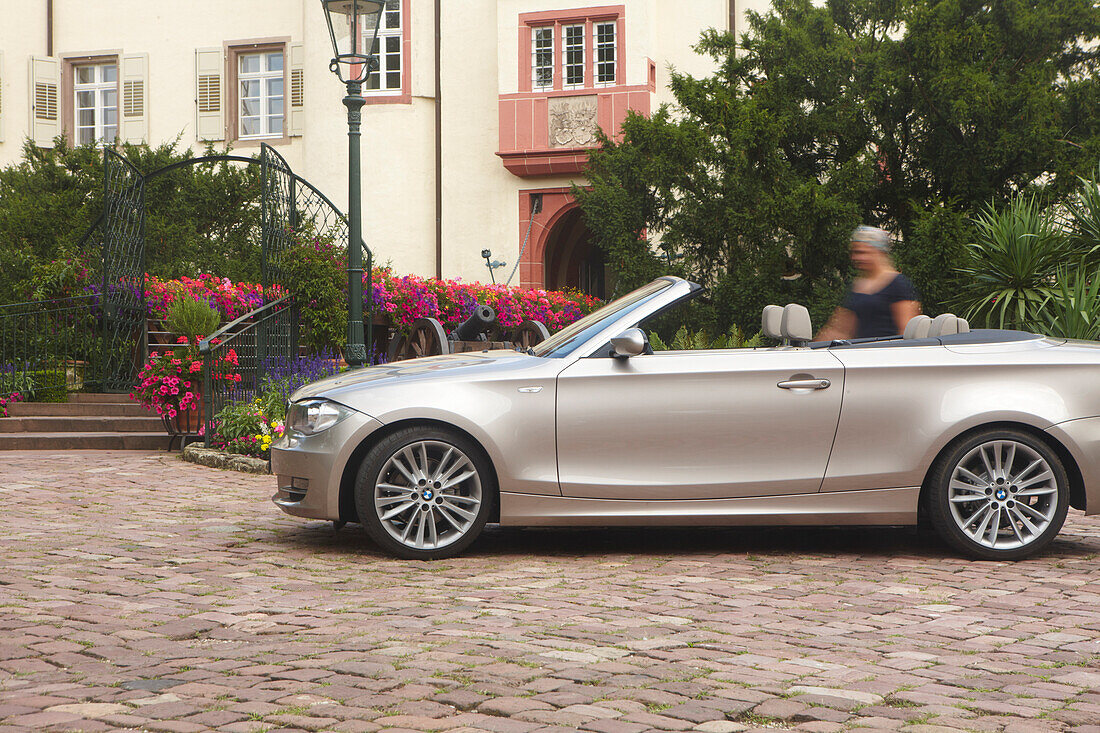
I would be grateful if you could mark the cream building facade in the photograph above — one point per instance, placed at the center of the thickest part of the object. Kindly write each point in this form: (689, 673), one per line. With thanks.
(466, 130)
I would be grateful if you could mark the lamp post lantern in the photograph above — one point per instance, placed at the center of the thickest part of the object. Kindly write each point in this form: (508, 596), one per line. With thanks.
(353, 29)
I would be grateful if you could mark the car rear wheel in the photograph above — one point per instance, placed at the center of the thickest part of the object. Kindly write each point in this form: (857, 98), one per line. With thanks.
(999, 495)
(424, 493)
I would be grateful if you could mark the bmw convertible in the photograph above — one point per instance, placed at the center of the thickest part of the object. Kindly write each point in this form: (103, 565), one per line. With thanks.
(989, 436)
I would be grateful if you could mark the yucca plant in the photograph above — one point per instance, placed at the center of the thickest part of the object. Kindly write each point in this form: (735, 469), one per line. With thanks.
(1013, 262)
(1074, 311)
(1084, 215)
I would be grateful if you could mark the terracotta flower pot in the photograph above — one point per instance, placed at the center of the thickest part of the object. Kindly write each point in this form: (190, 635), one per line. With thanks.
(186, 423)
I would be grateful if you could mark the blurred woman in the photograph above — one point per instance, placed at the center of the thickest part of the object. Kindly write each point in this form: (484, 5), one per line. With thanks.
(881, 300)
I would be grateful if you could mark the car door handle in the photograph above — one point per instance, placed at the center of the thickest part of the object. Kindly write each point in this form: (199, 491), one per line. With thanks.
(804, 384)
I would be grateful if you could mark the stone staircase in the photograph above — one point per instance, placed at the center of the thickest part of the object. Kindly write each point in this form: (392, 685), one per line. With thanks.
(86, 421)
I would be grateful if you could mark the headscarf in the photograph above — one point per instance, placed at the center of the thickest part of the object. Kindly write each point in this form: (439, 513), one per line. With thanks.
(875, 237)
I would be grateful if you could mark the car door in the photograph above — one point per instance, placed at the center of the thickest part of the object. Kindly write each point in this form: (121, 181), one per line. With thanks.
(697, 424)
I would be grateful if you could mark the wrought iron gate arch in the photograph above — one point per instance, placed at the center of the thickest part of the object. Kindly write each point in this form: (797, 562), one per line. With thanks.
(288, 203)
(123, 286)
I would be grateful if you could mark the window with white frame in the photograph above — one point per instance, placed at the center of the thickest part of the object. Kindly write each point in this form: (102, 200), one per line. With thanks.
(95, 101)
(604, 43)
(572, 43)
(260, 94)
(542, 57)
(388, 51)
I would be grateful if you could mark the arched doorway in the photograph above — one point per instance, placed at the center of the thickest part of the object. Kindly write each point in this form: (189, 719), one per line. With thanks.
(571, 260)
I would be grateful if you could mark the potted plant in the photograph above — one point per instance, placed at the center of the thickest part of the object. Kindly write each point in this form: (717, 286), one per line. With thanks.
(171, 381)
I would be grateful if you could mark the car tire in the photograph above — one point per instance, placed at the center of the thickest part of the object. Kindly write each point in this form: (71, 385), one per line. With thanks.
(425, 492)
(998, 494)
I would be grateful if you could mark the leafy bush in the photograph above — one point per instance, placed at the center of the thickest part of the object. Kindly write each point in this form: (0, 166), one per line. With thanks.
(192, 319)
(197, 216)
(13, 380)
(685, 340)
(317, 271)
(818, 116)
(934, 254)
(242, 427)
(47, 386)
(62, 278)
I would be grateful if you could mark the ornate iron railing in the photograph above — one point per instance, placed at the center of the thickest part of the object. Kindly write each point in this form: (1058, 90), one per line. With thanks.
(49, 345)
(254, 340)
(293, 206)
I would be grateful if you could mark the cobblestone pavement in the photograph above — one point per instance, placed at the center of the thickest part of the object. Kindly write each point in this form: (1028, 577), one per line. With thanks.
(141, 592)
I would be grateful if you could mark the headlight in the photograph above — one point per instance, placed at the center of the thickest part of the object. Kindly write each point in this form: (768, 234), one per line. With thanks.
(312, 416)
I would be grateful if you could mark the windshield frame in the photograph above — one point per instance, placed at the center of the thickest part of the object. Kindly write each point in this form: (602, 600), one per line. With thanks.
(588, 333)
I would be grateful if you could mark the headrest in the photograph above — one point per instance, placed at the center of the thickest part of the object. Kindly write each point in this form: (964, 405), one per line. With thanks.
(917, 328)
(964, 325)
(944, 324)
(796, 323)
(771, 322)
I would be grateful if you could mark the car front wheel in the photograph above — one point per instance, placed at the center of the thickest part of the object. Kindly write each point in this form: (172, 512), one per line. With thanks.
(999, 495)
(424, 493)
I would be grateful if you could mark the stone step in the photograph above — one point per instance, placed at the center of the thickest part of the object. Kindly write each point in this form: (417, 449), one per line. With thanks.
(81, 424)
(98, 397)
(80, 441)
(122, 408)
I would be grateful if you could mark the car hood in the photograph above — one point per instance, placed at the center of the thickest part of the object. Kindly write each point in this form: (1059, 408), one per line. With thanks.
(465, 366)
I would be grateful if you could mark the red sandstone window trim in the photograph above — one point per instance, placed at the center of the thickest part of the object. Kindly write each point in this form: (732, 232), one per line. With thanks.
(558, 20)
(404, 94)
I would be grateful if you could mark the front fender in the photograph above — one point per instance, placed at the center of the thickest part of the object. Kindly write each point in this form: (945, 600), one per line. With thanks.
(516, 428)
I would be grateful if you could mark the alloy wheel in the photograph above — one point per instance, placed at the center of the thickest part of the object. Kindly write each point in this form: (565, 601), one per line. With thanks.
(1003, 494)
(428, 495)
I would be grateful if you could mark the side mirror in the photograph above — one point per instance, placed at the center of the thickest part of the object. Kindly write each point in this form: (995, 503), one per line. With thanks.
(630, 342)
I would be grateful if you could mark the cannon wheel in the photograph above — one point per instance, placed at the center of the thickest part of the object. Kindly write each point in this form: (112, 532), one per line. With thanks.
(529, 333)
(426, 337)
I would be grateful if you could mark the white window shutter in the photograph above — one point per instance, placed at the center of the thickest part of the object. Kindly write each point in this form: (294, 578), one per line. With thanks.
(45, 100)
(209, 94)
(134, 109)
(297, 106)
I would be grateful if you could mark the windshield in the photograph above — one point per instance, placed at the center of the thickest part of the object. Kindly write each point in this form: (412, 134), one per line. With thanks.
(564, 341)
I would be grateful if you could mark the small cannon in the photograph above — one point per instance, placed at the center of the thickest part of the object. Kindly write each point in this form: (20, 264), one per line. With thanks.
(479, 332)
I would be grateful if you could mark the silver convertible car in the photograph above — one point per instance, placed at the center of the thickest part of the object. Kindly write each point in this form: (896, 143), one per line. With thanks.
(990, 436)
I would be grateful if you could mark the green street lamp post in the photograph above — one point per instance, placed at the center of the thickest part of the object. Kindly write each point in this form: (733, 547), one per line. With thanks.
(353, 28)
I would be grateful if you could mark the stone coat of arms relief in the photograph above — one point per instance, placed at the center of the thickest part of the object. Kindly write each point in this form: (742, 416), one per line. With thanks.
(572, 121)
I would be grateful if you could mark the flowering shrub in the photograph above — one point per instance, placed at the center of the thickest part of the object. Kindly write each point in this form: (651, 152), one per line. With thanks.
(59, 278)
(243, 428)
(283, 376)
(5, 401)
(171, 382)
(230, 299)
(408, 297)
(318, 270)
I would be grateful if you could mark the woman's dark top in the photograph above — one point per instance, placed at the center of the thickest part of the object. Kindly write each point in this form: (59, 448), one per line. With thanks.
(873, 314)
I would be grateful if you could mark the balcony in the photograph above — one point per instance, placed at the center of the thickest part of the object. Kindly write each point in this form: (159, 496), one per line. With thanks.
(548, 133)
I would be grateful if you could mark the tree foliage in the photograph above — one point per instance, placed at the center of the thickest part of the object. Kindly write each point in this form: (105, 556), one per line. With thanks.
(198, 218)
(909, 114)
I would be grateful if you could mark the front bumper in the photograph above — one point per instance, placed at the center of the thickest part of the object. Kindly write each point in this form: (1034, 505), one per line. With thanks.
(309, 468)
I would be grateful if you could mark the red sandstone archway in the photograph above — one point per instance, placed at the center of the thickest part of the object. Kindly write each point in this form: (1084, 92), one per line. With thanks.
(559, 252)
